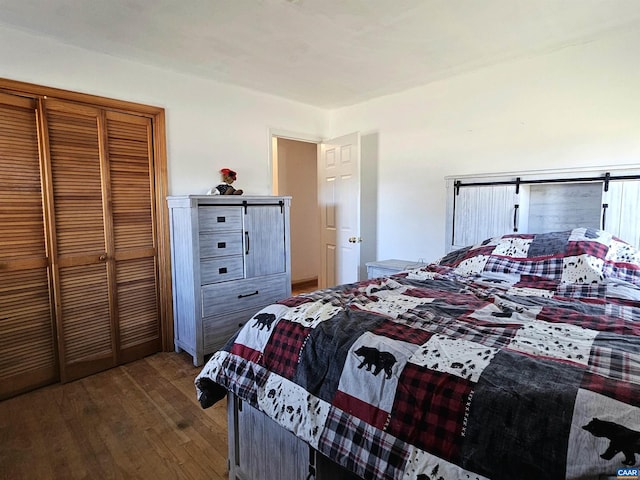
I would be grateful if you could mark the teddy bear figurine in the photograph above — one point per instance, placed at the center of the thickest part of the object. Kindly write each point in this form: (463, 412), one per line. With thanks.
(225, 188)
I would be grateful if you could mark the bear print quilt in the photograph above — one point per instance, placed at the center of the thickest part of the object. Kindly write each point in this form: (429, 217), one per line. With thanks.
(517, 358)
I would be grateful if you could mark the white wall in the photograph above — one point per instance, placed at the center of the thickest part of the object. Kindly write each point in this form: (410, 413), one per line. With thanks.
(579, 106)
(209, 125)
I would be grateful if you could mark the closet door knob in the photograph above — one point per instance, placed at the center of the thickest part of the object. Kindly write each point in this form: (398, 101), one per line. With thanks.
(103, 257)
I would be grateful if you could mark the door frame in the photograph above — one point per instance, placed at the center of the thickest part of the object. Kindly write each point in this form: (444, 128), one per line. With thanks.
(274, 135)
(272, 171)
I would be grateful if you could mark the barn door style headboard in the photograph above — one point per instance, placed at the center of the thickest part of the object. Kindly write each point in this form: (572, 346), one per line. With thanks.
(483, 206)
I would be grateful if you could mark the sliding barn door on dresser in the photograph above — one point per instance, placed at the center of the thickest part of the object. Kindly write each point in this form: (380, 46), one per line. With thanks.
(28, 356)
(230, 257)
(102, 237)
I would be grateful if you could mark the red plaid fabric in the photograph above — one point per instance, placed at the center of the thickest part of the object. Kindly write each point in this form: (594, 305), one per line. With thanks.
(615, 364)
(399, 331)
(429, 412)
(628, 273)
(595, 249)
(362, 449)
(295, 301)
(601, 323)
(549, 267)
(474, 252)
(245, 352)
(361, 409)
(282, 352)
(529, 281)
(242, 377)
(622, 391)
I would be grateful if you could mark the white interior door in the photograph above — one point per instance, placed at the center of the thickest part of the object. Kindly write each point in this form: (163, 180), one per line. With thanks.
(339, 201)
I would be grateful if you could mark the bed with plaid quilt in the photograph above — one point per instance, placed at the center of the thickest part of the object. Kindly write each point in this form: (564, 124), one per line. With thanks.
(517, 358)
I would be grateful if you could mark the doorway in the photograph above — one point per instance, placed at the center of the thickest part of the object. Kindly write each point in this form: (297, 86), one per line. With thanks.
(295, 174)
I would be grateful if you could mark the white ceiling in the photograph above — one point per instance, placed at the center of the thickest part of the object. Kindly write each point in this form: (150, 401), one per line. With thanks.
(328, 53)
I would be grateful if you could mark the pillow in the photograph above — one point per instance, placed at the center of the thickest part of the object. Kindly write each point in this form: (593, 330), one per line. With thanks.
(578, 256)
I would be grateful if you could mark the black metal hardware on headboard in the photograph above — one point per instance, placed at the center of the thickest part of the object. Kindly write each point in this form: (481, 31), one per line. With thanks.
(604, 215)
(515, 217)
(606, 178)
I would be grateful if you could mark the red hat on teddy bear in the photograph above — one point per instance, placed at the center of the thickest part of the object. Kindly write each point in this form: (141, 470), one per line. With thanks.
(228, 172)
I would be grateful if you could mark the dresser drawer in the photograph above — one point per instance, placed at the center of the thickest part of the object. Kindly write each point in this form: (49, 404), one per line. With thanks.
(218, 329)
(220, 244)
(219, 219)
(243, 294)
(221, 269)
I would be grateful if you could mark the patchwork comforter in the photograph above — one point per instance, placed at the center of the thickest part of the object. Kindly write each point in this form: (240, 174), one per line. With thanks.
(518, 358)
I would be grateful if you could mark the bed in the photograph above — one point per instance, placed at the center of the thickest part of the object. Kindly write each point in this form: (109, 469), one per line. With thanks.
(516, 358)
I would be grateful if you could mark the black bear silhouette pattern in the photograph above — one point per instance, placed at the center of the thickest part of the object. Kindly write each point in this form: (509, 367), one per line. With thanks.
(622, 439)
(433, 476)
(263, 320)
(372, 357)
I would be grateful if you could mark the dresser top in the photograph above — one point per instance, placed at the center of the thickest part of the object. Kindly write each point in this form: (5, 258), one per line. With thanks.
(187, 201)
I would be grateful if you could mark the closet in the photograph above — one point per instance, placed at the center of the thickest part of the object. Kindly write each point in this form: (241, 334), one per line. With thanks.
(82, 262)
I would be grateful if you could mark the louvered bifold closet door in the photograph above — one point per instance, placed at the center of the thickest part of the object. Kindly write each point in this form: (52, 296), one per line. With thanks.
(80, 229)
(129, 147)
(26, 325)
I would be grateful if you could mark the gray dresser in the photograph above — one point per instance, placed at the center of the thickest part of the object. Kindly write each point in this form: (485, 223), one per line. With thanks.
(230, 257)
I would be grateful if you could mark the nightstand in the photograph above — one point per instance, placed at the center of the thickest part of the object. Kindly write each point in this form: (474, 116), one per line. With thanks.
(383, 268)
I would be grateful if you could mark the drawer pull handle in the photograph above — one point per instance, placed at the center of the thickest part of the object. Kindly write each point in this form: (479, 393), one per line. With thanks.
(222, 219)
(248, 294)
(222, 245)
(222, 270)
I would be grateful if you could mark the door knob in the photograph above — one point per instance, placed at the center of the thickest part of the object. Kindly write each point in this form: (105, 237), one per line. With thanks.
(355, 240)
(102, 257)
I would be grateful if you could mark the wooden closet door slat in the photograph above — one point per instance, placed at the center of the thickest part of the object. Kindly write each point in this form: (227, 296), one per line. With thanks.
(26, 317)
(84, 304)
(129, 145)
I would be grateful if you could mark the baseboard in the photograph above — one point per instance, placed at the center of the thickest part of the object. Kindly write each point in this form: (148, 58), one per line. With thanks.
(308, 282)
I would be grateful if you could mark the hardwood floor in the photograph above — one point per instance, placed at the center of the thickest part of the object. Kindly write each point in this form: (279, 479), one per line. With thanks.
(304, 287)
(137, 421)
(141, 420)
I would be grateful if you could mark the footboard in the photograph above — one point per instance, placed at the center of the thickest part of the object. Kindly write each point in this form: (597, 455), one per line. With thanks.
(260, 449)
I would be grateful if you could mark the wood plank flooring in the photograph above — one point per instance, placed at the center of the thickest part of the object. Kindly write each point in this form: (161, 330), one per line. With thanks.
(138, 421)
